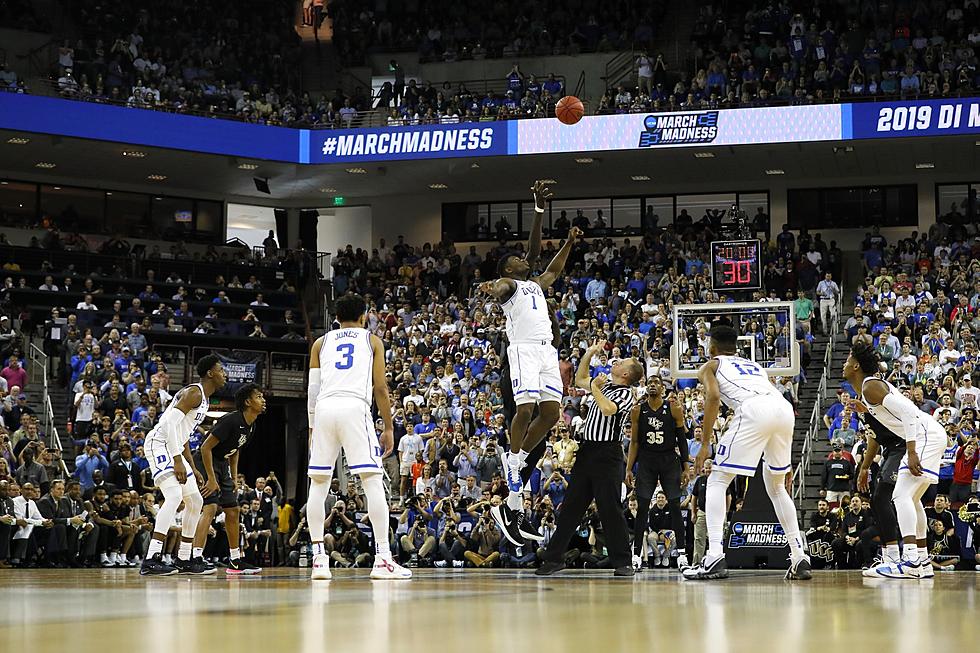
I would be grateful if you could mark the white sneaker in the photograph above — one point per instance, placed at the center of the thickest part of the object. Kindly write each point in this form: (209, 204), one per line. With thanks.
(926, 570)
(388, 569)
(637, 562)
(901, 570)
(321, 567)
(682, 562)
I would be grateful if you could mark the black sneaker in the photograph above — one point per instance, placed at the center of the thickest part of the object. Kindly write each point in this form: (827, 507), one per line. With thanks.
(155, 566)
(507, 521)
(194, 566)
(549, 568)
(527, 529)
(239, 567)
(625, 571)
(799, 571)
(717, 569)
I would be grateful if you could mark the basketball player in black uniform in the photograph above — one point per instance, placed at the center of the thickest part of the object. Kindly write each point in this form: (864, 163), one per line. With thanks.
(218, 459)
(658, 448)
(892, 449)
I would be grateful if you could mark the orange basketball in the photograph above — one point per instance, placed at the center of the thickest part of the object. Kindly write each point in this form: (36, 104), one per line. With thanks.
(569, 110)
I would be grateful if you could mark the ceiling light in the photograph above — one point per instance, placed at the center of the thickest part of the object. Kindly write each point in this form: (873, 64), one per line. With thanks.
(704, 155)
(585, 159)
(476, 165)
(44, 164)
(136, 154)
(775, 171)
(248, 166)
(356, 171)
(109, 193)
(156, 177)
(57, 187)
(640, 178)
(328, 190)
(438, 186)
(158, 198)
(548, 181)
(4, 183)
(18, 140)
(925, 166)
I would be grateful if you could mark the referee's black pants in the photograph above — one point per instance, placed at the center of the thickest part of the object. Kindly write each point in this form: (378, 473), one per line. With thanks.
(597, 474)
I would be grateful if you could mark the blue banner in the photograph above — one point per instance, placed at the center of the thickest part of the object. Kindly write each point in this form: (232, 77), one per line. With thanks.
(104, 122)
(913, 118)
(401, 143)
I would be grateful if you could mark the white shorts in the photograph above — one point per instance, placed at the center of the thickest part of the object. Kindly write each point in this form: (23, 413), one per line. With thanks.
(762, 427)
(534, 373)
(930, 448)
(344, 422)
(405, 469)
(835, 497)
(161, 459)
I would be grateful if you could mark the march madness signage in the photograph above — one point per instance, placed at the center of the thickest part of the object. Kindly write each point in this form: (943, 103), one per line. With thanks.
(241, 367)
(679, 129)
(756, 535)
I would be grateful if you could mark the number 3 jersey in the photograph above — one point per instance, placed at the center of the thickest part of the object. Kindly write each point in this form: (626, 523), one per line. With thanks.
(740, 379)
(528, 320)
(347, 365)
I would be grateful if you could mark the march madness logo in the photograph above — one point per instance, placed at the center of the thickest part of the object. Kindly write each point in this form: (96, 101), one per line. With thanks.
(679, 128)
(756, 535)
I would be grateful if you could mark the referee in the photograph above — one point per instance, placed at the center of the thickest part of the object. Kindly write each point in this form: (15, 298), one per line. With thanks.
(599, 469)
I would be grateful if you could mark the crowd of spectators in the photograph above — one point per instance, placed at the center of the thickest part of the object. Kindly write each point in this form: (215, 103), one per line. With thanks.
(446, 31)
(749, 54)
(918, 307)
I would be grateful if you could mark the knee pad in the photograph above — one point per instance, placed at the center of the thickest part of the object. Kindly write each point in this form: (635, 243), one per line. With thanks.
(193, 500)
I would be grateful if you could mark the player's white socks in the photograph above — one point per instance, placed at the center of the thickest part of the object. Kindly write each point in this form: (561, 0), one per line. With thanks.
(318, 549)
(714, 508)
(198, 552)
(923, 554)
(891, 553)
(156, 546)
(515, 501)
(236, 554)
(522, 458)
(377, 507)
(184, 553)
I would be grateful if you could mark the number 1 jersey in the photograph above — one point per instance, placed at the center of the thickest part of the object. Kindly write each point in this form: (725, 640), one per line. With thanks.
(347, 365)
(528, 321)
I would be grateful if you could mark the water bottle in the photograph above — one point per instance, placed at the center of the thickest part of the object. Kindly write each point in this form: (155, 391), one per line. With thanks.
(304, 556)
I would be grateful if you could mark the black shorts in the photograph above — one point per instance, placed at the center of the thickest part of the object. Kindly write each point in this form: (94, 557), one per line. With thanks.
(665, 468)
(225, 496)
(889, 467)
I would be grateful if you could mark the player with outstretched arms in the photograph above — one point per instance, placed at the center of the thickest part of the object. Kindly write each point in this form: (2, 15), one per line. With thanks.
(347, 369)
(761, 428)
(171, 464)
(925, 440)
(534, 372)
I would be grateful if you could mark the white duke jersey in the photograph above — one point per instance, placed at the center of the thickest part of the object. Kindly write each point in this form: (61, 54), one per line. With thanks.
(347, 365)
(528, 320)
(188, 422)
(927, 428)
(740, 379)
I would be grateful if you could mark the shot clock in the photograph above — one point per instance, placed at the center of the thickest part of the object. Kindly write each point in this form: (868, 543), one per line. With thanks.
(736, 265)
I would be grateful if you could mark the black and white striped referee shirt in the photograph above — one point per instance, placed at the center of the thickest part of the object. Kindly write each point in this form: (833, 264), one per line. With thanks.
(602, 428)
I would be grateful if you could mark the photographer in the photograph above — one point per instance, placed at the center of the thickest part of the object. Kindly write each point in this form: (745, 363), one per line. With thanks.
(485, 538)
(352, 548)
(452, 547)
(418, 542)
(488, 464)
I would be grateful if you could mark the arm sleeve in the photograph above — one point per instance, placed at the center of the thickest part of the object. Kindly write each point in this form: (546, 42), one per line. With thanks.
(904, 410)
(312, 391)
(170, 424)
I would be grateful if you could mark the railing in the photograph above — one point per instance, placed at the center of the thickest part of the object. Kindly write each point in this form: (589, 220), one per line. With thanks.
(39, 360)
(580, 85)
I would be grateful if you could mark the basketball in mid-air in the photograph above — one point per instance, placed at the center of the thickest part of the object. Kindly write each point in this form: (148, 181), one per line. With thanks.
(569, 110)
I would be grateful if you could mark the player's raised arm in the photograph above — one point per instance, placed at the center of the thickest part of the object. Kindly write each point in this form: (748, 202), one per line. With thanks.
(541, 194)
(381, 396)
(557, 264)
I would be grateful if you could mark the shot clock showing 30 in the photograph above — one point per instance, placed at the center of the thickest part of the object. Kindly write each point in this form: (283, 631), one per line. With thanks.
(735, 265)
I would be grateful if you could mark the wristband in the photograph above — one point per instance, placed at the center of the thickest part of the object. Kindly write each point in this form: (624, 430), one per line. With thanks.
(537, 210)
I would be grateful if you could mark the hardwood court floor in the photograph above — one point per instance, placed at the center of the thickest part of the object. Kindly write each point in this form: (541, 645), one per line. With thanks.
(468, 610)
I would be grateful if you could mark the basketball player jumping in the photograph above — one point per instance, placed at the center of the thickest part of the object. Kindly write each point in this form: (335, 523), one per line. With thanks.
(173, 470)
(659, 445)
(347, 368)
(533, 366)
(925, 440)
(218, 459)
(762, 427)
